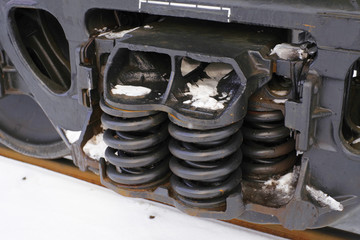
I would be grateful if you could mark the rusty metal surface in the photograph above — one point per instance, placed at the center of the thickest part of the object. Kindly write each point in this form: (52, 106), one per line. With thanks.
(64, 166)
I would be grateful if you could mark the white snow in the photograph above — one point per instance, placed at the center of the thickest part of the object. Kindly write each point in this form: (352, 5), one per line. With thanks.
(289, 52)
(72, 136)
(355, 73)
(280, 100)
(101, 30)
(130, 91)
(280, 92)
(49, 205)
(299, 152)
(188, 65)
(148, 27)
(115, 35)
(356, 141)
(69, 157)
(324, 199)
(285, 183)
(283, 187)
(204, 91)
(95, 147)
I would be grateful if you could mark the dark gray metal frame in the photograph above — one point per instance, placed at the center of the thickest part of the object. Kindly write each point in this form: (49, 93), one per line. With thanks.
(328, 162)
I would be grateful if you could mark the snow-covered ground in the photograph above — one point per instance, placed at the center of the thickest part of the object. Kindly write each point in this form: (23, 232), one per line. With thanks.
(36, 203)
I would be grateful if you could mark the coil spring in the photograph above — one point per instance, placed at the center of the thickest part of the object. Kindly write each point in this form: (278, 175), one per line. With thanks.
(205, 164)
(268, 149)
(137, 152)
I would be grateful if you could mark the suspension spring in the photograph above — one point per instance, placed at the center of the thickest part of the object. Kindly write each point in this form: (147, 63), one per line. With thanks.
(268, 149)
(137, 152)
(205, 164)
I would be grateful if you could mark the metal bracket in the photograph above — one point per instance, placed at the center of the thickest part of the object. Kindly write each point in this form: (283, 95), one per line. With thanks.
(302, 116)
(10, 80)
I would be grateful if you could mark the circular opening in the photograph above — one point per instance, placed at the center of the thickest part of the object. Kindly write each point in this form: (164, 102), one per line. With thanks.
(351, 113)
(25, 128)
(44, 46)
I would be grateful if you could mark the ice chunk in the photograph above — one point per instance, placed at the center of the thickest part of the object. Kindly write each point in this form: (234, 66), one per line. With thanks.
(324, 199)
(95, 147)
(289, 52)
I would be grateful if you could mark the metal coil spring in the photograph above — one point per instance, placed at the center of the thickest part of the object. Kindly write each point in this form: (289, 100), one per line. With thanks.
(136, 150)
(268, 149)
(205, 164)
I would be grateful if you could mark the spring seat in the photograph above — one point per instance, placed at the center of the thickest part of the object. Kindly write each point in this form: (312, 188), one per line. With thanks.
(205, 164)
(137, 152)
(268, 149)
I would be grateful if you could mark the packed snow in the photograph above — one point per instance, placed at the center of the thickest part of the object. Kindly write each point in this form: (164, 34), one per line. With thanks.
(101, 30)
(72, 136)
(130, 91)
(95, 147)
(289, 52)
(115, 35)
(355, 73)
(356, 141)
(204, 91)
(285, 185)
(282, 184)
(324, 199)
(280, 100)
(280, 92)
